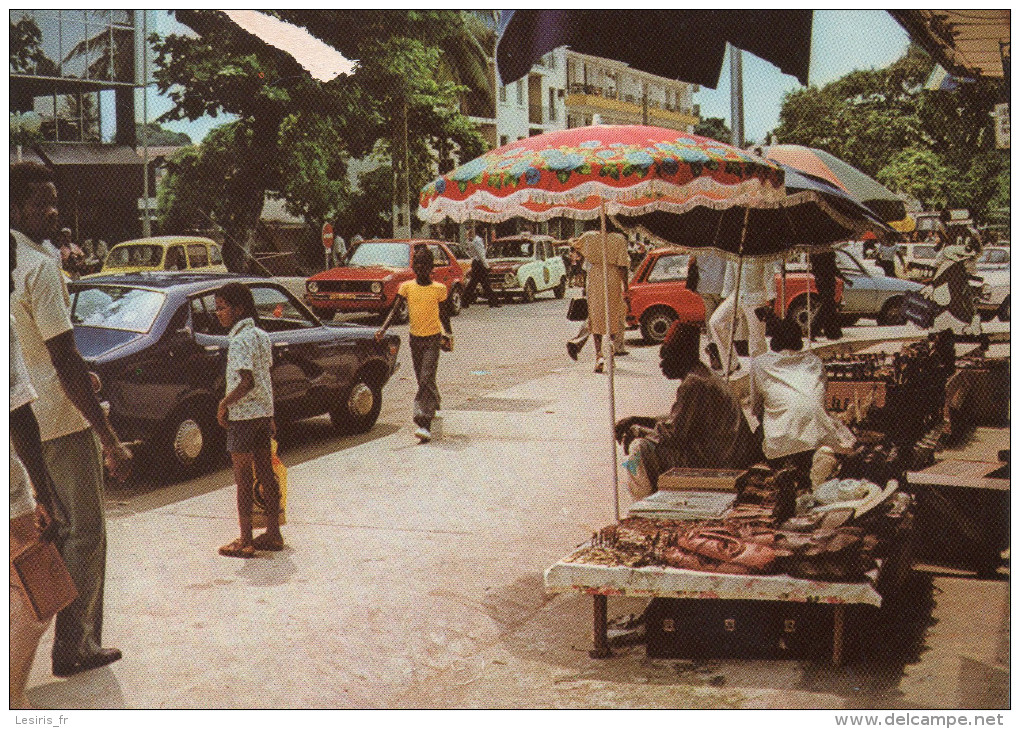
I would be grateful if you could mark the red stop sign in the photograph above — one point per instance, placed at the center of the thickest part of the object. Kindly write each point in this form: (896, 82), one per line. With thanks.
(327, 236)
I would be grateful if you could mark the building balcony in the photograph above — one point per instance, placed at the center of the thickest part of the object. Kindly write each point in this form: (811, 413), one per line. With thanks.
(591, 103)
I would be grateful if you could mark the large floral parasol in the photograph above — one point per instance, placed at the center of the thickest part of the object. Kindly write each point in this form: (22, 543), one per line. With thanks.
(592, 172)
(631, 170)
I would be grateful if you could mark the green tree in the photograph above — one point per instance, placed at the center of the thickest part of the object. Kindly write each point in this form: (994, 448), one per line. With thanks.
(276, 104)
(885, 121)
(160, 137)
(714, 127)
(921, 174)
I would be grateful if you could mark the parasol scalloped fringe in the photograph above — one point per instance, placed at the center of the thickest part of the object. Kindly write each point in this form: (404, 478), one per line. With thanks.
(483, 206)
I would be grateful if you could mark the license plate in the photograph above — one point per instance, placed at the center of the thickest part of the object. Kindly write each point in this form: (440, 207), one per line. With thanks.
(345, 295)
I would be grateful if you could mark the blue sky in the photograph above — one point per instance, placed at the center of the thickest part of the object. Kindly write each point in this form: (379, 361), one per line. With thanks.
(842, 41)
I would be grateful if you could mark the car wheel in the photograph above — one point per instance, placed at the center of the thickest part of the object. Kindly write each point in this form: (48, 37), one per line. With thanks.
(655, 323)
(530, 292)
(798, 312)
(358, 407)
(456, 299)
(892, 313)
(190, 438)
(561, 288)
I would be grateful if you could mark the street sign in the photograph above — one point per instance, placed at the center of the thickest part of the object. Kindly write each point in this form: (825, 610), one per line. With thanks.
(327, 236)
(1001, 116)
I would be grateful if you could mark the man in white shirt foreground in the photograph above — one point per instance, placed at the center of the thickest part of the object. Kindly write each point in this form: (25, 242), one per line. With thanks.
(70, 418)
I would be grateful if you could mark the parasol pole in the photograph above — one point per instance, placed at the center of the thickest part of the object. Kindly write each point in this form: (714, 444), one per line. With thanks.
(782, 290)
(809, 317)
(736, 292)
(612, 358)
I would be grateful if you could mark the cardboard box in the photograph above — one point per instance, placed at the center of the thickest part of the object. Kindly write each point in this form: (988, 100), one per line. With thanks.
(700, 479)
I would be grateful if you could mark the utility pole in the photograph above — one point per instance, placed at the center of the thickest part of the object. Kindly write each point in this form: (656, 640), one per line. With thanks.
(146, 224)
(737, 96)
(401, 177)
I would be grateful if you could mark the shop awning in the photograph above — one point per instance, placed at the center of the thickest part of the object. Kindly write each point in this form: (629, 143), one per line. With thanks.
(58, 154)
(964, 42)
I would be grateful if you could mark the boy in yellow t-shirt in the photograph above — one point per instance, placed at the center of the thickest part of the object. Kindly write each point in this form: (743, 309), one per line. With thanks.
(428, 311)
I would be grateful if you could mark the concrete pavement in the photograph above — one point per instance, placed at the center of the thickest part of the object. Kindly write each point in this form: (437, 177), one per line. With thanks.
(413, 579)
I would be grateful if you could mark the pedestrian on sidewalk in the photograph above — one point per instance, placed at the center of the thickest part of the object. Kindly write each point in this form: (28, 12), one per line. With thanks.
(479, 274)
(74, 430)
(32, 510)
(613, 275)
(247, 414)
(429, 314)
(757, 291)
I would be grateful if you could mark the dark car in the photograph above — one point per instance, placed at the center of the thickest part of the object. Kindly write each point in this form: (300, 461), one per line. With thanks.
(158, 354)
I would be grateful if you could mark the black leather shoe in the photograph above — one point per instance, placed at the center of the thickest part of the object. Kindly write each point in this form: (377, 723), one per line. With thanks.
(102, 657)
(572, 350)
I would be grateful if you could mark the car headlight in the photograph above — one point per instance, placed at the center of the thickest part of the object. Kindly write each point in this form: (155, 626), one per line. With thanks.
(313, 287)
(376, 287)
(510, 278)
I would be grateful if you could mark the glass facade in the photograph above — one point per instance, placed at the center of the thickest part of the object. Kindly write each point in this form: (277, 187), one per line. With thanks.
(66, 64)
(95, 45)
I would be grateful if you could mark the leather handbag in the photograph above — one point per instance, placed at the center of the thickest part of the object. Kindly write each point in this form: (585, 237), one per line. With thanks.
(45, 579)
(735, 554)
(920, 310)
(578, 309)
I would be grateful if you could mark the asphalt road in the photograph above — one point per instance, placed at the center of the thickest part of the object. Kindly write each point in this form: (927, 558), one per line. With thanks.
(495, 349)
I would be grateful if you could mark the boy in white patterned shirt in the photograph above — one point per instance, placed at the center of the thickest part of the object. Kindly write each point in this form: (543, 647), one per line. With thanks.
(247, 414)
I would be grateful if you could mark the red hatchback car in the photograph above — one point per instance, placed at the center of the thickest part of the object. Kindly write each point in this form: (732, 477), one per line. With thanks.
(659, 296)
(372, 273)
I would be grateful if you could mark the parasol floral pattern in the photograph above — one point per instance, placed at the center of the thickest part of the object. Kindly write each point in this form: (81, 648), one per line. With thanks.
(633, 169)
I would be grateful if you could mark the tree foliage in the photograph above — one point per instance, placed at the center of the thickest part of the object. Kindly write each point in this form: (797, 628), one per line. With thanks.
(714, 127)
(294, 136)
(937, 146)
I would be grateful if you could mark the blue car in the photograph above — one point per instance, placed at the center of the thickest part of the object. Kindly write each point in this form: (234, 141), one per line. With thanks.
(157, 354)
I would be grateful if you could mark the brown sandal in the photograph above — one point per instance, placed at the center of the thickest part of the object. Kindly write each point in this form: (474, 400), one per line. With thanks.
(237, 549)
(268, 543)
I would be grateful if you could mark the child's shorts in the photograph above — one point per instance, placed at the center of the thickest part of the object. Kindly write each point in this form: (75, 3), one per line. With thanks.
(248, 436)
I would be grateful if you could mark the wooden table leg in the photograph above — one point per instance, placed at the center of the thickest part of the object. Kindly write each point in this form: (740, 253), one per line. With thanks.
(838, 630)
(599, 634)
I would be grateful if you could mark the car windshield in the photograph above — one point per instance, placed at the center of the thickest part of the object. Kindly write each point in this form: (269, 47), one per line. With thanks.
(135, 255)
(994, 255)
(396, 255)
(671, 267)
(116, 307)
(510, 249)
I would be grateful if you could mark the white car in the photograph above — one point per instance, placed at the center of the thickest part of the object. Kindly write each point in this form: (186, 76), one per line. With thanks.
(993, 268)
(524, 265)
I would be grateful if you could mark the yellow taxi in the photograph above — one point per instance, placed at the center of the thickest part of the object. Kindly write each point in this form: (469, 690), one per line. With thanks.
(165, 253)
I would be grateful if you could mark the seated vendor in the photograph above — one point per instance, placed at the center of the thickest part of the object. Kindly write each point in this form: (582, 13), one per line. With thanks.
(788, 396)
(705, 429)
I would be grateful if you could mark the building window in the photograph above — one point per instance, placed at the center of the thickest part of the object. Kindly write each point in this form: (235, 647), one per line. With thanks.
(503, 140)
(80, 44)
(502, 93)
(552, 104)
(520, 92)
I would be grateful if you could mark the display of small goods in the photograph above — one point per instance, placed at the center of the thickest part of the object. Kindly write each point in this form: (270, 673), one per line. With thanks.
(835, 533)
(900, 397)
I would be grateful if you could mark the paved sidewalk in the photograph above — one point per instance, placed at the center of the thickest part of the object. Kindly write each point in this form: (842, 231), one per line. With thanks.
(413, 578)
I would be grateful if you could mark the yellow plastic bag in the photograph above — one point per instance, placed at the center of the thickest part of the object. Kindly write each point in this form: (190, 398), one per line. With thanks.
(258, 507)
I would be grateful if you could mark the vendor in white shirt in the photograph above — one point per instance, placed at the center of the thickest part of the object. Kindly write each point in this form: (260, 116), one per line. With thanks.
(788, 396)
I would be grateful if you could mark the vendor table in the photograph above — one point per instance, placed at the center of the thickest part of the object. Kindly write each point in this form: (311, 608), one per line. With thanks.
(600, 581)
